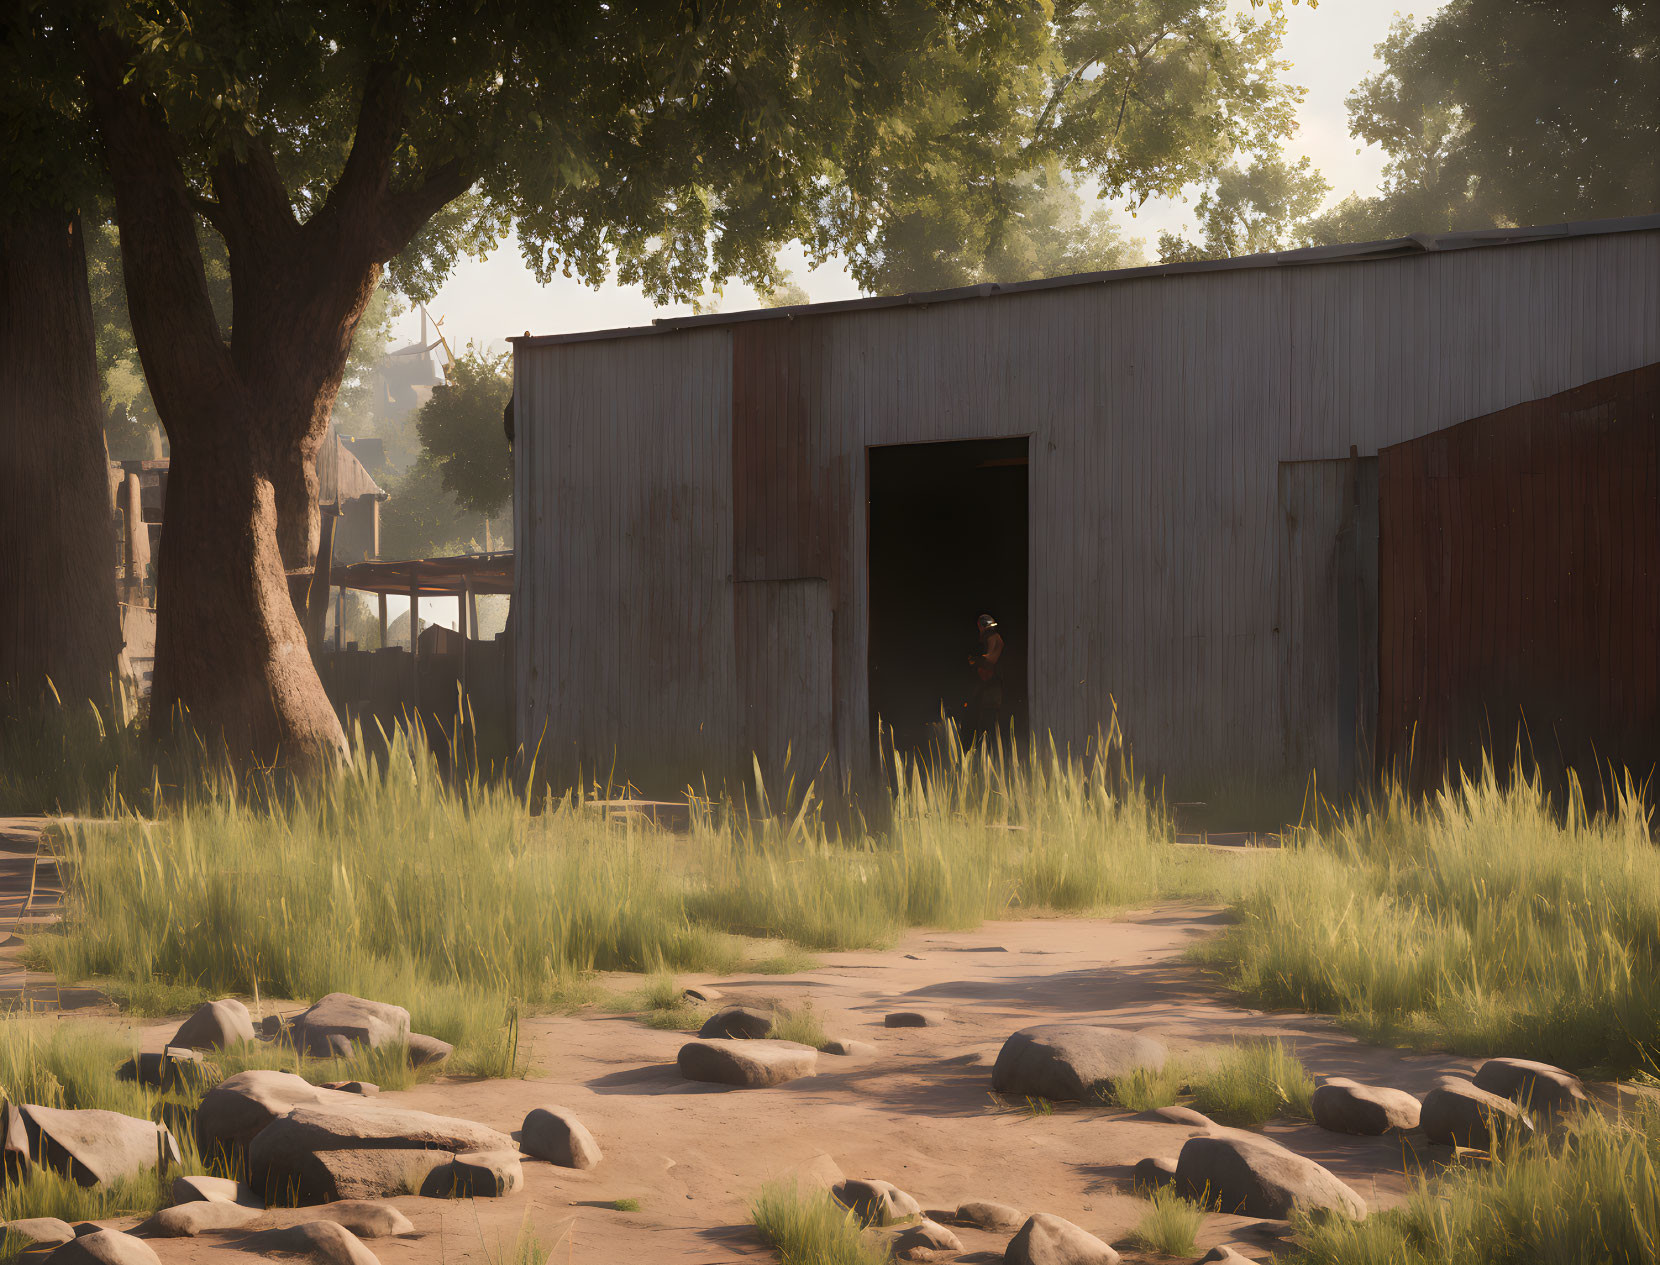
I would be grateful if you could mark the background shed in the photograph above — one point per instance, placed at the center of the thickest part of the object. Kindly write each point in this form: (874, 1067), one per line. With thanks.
(711, 513)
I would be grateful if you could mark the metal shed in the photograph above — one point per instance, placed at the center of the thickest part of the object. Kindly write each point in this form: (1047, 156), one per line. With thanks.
(729, 525)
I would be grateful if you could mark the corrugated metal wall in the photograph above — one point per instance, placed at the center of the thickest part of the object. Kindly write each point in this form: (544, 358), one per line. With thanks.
(659, 472)
(1521, 585)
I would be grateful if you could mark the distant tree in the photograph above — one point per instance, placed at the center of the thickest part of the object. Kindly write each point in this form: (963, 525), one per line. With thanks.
(1251, 211)
(1509, 112)
(787, 293)
(461, 431)
(423, 519)
(987, 179)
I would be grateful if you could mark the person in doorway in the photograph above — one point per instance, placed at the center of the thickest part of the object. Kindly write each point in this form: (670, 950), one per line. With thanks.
(986, 710)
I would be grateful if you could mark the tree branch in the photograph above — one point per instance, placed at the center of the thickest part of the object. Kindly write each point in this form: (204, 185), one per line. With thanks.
(161, 258)
(408, 211)
(253, 201)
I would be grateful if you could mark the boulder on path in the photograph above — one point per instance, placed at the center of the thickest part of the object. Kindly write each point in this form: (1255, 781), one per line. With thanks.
(745, 1022)
(847, 1048)
(105, 1247)
(1153, 1172)
(985, 1215)
(187, 1220)
(1537, 1086)
(1050, 1240)
(195, 1188)
(913, 1019)
(39, 1231)
(1457, 1113)
(322, 1242)
(481, 1175)
(1224, 1255)
(366, 1218)
(747, 1064)
(1176, 1115)
(337, 1022)
(875, 1202)
(1071, 1062)
(1240, 1172)
(215, 1025)
(702, 992)
(556, 1135)
(425, 1049)
(926, 1237)
(315, 1154)
(240, 1106)
(95, 1147)
(1345, 1106)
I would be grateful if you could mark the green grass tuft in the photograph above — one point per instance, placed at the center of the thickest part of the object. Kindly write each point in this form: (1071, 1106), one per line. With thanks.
(1171, 1225)
(1251, 1082)
(800, 1024)
(1146, 1088)
(1593, 1200)
(808, 1228)
(626, 1205)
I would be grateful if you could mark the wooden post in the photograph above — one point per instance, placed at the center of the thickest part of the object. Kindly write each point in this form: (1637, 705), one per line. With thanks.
(461, 624)
(339, 616)
(138, 534)
(374, 529)
(383, 619)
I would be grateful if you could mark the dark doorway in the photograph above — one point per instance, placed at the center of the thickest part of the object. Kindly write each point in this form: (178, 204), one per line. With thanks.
(947, 544)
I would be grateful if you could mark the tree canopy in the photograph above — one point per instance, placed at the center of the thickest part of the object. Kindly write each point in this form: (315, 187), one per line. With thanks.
(1509, 112)
(461, 431)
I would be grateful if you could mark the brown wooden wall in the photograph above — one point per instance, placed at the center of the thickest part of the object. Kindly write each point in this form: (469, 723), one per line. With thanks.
(1520, 583)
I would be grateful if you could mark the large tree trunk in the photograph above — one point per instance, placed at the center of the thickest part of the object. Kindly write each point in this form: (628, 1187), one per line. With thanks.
(59, 618)
(231, 654)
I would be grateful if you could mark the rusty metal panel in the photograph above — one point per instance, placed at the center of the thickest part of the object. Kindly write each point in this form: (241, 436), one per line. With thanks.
(785, 722)
(1520, 591)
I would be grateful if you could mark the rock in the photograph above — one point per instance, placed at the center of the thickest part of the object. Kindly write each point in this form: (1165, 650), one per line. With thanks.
(270, 1026)
(424, 1050)
(1154, 1172)
(876, 1202)
(187, 1220)
(748, 1064)
(556, 1135)
(1240, 1172)
(1538, 1086)
(1176, 1115)
(1049, 1240)
(738, 1021)
(216, 1189)
(984, 1215)
(239, 1107)
(1346, 1106)
(1457, 1113)
(339, 1021)
(44, 1231)
(84, 1228)
(361, 1088)
(171, 1068)
(927, 1236)
(315, 1154)
(105, 1247)
(479, 1175)
(324, 1242)
(366, 1219)
(1071, 1061)
(913, 1019)
(1224, 1255)
(847, 1048)
(215, 1025)
(96, 1147)
(702, 992)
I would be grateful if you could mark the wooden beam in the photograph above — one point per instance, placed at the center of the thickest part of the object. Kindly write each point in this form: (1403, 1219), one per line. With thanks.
(414, 641)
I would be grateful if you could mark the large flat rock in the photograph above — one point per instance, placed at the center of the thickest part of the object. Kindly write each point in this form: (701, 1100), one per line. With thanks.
(95, 1147)
(337, 1022)
(746, 1064)
(1345, 1106)
(1241, 1173)
(240, 1106)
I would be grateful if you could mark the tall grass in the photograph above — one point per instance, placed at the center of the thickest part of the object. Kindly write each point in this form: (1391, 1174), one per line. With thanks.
(454, 900)
(1488, 919)
(1250, 1082)
(1592, 1200)
(809, 1228)
(1170, 1225)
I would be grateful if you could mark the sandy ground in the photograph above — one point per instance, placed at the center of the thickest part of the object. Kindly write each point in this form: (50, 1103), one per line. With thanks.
(918, 1113)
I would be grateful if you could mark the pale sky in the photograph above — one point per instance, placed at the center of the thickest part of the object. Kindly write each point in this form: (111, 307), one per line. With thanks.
(1329, 46)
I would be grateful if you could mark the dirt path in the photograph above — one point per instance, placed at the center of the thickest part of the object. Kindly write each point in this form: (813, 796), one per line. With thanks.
(918, 1113)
